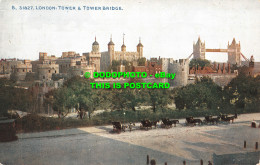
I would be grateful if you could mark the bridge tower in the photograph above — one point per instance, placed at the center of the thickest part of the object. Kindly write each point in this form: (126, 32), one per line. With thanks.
(199, 50)
(234, 56)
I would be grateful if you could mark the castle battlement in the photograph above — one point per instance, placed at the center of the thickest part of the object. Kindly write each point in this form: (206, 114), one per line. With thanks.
(179, 67)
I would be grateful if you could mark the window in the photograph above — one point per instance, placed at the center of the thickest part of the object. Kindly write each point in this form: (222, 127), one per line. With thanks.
(49, 71)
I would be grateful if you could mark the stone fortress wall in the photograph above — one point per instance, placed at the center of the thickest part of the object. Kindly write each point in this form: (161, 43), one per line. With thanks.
(179, 67)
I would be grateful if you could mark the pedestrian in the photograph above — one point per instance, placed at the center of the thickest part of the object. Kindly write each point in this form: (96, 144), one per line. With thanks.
(210, 163)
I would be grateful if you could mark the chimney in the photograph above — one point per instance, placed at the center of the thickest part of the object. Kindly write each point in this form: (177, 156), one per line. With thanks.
(219, 69)
(229, 71)
(224, 69)
(215, 66)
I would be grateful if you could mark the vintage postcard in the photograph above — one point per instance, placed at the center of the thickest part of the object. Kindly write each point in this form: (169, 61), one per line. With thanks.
(129, 82)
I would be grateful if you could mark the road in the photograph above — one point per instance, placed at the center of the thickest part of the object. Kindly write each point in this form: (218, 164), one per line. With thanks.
(97, 146)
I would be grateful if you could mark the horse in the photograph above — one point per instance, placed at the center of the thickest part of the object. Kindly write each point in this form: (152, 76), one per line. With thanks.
(175, 122)
(189, 119)
(146, 123)
(154, 123)
(216, 119)
(130, 126)
(199, 121)
(167, 122)
(208, 119)
(212, 120)
(232, 118)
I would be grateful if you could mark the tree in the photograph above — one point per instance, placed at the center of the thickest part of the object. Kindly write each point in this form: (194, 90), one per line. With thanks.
(141, 61)
(243, 90)
(134, 97)
(200, 62)
(157, 97)
(203, 93)
(76, 92)
(115, 64)
(118, 99)
(14, 97)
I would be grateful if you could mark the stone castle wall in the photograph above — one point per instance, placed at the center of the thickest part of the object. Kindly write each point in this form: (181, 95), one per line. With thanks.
(105, 62)
(45, 71)
(180, 68)
(220, 79)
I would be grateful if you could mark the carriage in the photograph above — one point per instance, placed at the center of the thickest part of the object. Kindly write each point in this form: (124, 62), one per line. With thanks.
(226, 118)
(191, 121)
(118, 127)
(166, 123)
(148, 124)
(211, 119)
(207, 119)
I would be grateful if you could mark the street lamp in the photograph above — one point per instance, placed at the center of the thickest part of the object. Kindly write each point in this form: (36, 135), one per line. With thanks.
(124, 117)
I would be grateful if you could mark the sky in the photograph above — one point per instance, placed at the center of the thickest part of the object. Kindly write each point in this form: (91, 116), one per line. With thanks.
(167, 28)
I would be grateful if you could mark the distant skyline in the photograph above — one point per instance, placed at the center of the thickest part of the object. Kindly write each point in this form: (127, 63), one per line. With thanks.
(167, 28)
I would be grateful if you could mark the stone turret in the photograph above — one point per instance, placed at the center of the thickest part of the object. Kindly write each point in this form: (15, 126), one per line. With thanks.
(252, 62)
(199, 50)
(140, 48)
(234, 56)
(95, 46)
(180, 68)
(111, 51)
(123, 47)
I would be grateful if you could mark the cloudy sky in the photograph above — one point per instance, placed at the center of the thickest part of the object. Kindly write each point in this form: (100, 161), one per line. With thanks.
(167, 28)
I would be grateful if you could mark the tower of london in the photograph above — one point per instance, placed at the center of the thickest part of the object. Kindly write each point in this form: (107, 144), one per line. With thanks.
(110, 55)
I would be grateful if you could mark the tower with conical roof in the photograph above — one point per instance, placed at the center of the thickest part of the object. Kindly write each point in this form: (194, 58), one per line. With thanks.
(123, 47)
(95, 46)
(111, 50)
(93, 57)
(234, 56)
(140, 48)
(199, 50)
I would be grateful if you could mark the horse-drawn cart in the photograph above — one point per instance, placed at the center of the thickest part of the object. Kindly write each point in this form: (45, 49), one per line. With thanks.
(211, 119)
(148, 124)
(166, 123)
(191, 121)
(228, 118)
(118, 127)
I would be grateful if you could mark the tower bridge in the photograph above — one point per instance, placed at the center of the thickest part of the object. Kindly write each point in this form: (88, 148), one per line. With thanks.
(233, 50)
